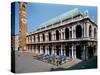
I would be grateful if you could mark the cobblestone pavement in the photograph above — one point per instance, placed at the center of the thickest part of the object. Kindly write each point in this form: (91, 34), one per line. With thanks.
(26, 63)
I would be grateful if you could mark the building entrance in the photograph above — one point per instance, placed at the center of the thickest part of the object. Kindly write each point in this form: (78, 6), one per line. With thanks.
(58, 50)
(78, 52)
(90, 52)
(67, 50)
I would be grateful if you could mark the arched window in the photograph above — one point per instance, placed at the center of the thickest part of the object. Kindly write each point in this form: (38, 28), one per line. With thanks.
(62, 35)
(66, 33)
(57, 35)
(43, 37)
(50, 50)
(23, 5)
(43, 49)
(95, 33)
(90, 31)
(79, 51)
(49, 36)
(78, 31)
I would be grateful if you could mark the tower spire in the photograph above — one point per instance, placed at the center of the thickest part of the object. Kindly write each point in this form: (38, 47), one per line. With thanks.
(22, 26)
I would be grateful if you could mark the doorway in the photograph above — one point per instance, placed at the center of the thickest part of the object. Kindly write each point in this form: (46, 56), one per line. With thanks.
(78, 52)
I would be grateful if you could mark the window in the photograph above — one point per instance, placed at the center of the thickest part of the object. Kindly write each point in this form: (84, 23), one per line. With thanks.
(78, 31)
(66, 33)
(49, 34)
(57, 35)
(23, 5)
(95, 33)
(90, 31)
(43, 37)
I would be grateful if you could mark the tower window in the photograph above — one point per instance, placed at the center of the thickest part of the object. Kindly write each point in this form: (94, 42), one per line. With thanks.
(23, 5)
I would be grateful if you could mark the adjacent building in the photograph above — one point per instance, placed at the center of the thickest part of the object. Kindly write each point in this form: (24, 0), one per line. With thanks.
(14, 42)
(72, 34)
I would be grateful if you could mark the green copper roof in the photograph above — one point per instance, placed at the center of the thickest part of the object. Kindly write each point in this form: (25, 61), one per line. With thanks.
(66, 15)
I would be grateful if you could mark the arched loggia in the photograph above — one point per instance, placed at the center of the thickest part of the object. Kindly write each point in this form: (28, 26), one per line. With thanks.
(57, 35)
(43, 37)
(90, 31)
(66, 33)
(78, 31)
(49, 35)
(95, 33)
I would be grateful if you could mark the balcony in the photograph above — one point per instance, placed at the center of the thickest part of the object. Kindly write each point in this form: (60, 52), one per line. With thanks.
(63, 41)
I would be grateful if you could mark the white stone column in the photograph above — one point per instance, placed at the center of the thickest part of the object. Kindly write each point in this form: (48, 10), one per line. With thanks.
(53, 35)
(55, 52)
(61, 49)
(72, 51)
(92, 31)
(36, 38)
(41, 38)
(29, 39)
(73, 32)
(36, 50)
(46, 37)
(52, 50)
(64, 51)
(62, 34)
(87, 29)
(46, 50)
(52, 38)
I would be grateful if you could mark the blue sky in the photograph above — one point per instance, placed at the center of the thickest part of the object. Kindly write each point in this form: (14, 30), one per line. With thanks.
(38, 13)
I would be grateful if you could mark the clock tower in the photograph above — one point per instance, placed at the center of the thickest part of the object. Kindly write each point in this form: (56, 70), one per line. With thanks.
(22, 26)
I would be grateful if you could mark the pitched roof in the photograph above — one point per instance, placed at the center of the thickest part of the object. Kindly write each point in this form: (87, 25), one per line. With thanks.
(66, 15)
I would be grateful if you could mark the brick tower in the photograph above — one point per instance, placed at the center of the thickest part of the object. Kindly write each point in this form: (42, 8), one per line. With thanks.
(22, 26)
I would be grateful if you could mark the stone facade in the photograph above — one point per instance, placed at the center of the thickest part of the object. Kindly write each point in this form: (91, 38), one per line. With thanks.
(15, 42)
(72, 36)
